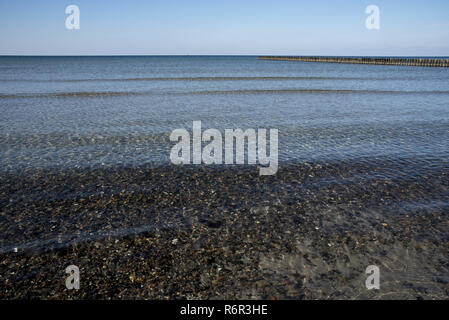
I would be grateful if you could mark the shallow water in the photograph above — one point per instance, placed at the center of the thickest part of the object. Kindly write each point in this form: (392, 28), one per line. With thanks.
(61, 114)
(94, 111)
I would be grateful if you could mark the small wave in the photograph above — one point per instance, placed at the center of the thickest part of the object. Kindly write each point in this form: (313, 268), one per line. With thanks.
(277, 91)
(72, 94)
(211, 92)
(217, 78)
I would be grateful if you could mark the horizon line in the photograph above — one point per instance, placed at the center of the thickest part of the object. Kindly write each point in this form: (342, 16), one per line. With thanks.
(211, 55)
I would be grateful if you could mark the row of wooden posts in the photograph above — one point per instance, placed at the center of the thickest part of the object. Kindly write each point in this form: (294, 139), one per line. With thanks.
(419, 62)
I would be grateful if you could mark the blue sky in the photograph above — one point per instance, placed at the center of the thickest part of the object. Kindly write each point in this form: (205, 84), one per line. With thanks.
(234, 27)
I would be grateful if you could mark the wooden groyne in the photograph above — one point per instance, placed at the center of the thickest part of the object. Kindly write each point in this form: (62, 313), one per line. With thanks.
(418, 62)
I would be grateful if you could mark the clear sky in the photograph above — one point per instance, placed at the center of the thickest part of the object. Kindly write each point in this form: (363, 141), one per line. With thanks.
(227, 27)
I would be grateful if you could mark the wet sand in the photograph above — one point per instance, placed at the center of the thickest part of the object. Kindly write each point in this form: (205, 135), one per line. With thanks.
(309, 232)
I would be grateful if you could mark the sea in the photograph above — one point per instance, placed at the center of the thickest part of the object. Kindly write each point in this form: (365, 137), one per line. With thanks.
(65, 113)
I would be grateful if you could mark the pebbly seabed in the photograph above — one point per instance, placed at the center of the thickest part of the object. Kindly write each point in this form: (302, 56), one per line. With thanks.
(212, 232)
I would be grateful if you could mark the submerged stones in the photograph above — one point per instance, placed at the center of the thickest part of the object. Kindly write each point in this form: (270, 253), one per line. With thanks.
(214, 232)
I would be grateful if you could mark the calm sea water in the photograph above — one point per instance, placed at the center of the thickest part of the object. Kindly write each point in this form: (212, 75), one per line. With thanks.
(385, 127)
(107, 111)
